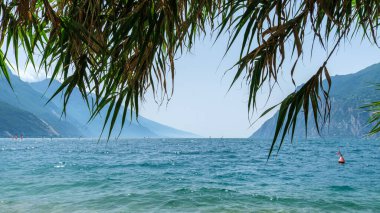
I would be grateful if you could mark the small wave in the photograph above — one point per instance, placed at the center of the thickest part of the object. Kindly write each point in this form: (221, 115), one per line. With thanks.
(341, 188)
(60, 165)
(17, 149)
(204, 190)
(153, 165)
(202, 152)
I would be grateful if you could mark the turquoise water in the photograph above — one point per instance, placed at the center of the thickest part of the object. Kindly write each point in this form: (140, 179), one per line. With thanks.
(188, 175)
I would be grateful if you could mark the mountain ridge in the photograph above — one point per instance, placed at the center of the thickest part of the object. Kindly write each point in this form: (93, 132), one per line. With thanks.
(77, 108)
(347, 119)
(28, 104)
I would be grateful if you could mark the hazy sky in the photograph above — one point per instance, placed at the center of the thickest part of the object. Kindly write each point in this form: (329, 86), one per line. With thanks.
(201, 102)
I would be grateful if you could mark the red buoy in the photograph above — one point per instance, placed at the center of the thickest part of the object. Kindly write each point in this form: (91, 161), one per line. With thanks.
(341, 160)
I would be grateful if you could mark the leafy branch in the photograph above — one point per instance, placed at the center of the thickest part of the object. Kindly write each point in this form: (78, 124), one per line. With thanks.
(120, 49)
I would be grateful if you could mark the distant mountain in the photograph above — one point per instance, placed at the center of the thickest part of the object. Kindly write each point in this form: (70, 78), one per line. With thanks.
(15, 121)
(348, 94)
(24, 97)
(77, 108)
(25, 110)
(132, 128)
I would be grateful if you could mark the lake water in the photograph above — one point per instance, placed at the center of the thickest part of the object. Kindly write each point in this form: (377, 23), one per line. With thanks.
(188, 175)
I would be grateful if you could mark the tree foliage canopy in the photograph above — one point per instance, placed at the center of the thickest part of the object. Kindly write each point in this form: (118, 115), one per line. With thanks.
(118, 49)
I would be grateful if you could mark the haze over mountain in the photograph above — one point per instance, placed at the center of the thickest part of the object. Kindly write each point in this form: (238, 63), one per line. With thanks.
(24, 110)
(25, 98)
(348, 93)
(133, 128)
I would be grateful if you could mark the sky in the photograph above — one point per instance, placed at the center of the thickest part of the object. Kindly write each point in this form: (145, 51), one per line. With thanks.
(203, 105)
(202, 102)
